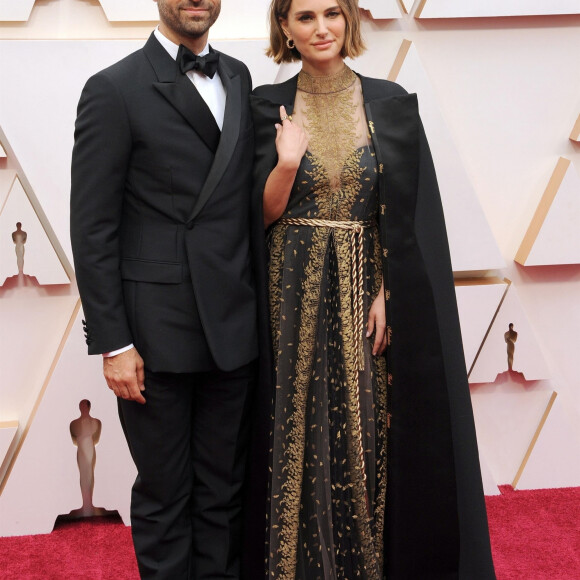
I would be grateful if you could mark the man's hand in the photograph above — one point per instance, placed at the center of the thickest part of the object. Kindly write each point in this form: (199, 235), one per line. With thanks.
(125, 375)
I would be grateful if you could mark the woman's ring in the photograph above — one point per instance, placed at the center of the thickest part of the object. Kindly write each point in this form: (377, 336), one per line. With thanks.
(284, 117)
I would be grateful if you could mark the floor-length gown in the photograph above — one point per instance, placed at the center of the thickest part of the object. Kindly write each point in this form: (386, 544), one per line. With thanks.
(328, 481)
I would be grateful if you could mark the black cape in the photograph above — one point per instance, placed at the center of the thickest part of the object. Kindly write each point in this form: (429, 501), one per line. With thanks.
(436, 523)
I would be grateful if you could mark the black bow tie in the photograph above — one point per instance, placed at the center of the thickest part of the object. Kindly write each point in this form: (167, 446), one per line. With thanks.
(206, 64)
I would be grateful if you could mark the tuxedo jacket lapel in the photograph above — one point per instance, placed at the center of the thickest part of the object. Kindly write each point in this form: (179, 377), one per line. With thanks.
(229, 135)
(181, 93)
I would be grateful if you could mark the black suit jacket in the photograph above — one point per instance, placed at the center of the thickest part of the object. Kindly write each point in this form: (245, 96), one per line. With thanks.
(161, 213)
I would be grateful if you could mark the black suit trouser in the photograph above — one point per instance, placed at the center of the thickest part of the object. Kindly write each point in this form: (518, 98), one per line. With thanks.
(189, 444)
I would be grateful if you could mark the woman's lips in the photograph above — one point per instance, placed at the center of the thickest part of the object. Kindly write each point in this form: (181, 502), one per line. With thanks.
(323, 44)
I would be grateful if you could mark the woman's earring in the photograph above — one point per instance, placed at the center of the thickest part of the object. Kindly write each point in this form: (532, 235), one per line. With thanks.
(290, 43)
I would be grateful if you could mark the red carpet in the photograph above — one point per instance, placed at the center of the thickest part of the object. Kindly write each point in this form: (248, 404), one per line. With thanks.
(535, 535)
(91, 549)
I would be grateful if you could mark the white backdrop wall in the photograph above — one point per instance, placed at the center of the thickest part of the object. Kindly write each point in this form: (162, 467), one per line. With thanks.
(499, 96)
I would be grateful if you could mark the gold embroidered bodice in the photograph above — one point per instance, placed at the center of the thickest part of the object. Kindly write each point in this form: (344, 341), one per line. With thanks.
(339, 160)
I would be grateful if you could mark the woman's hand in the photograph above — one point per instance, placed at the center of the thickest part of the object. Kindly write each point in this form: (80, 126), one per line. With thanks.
(291, 144)
(291, 141)
(377, 323)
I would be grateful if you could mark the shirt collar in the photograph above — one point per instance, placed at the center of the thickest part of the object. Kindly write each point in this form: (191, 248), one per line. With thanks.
(171, 47)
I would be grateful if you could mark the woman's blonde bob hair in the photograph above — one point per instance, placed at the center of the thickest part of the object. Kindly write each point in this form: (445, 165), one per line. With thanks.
(353, 43)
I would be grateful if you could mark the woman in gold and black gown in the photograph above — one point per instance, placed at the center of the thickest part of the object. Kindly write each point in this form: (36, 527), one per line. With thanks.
(321, 167)
(328, 481)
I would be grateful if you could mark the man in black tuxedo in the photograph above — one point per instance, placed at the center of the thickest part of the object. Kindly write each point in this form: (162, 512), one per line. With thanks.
(160, 229)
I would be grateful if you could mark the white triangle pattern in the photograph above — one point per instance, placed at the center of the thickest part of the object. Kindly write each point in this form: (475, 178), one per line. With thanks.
(471, 242)
(44, 482)
(506, 417)
(489, 483)
(382, 9)
(528, 358)
(40, 259)
(553, 461)
(15, 10)
(490, 8)
(558, 241)
(130, 10)
(477, 305)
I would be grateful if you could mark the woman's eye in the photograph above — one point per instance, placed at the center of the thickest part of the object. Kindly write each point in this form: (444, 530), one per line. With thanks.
(333, 14)
(305, 18)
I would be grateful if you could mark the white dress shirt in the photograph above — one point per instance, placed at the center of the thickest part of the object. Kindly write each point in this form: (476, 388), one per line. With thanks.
(212, 90)
(213, 93)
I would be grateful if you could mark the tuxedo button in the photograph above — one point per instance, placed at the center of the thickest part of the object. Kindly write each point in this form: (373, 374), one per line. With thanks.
(189, 225)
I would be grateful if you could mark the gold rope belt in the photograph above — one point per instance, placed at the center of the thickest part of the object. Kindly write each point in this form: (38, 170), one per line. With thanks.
(357, 277)
(357, 265)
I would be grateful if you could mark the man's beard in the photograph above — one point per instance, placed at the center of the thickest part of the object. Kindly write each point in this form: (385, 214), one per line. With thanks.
(184, 25)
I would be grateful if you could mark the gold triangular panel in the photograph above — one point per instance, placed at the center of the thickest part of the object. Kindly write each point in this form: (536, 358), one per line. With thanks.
(575, 134)
(407, 5)
(8, 430)
(7, 178)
